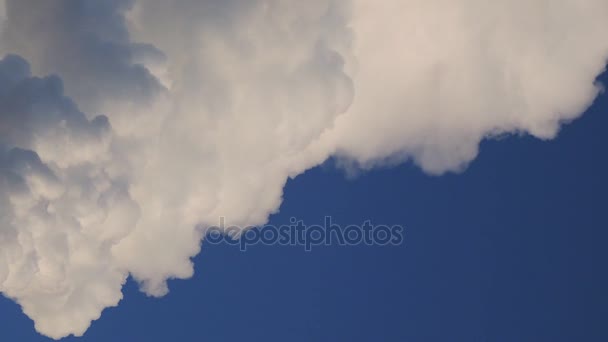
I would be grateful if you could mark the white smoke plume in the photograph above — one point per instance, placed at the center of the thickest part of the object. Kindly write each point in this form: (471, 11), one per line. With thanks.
(165, 115)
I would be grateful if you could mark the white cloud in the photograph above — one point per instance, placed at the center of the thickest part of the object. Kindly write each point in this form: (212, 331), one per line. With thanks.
(212, 105)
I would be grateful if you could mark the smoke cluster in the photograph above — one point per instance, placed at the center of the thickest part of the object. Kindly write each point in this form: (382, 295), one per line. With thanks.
(160, 116)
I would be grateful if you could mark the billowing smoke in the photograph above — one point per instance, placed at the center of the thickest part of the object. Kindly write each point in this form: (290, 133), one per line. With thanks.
(164, 115)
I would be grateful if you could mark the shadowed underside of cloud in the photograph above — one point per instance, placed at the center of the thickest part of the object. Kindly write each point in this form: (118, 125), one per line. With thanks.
(210, 106)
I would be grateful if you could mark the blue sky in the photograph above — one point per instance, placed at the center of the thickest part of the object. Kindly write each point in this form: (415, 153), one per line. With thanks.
(513, 249)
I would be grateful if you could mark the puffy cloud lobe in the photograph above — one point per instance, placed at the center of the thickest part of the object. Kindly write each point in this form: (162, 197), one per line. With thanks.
(87, 43)
(436, 77)
(214, 104)
(259, 86)
(35, 112)
(60, 212)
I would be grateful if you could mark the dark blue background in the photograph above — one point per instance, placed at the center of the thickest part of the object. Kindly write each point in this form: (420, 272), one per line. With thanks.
(511, 250)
